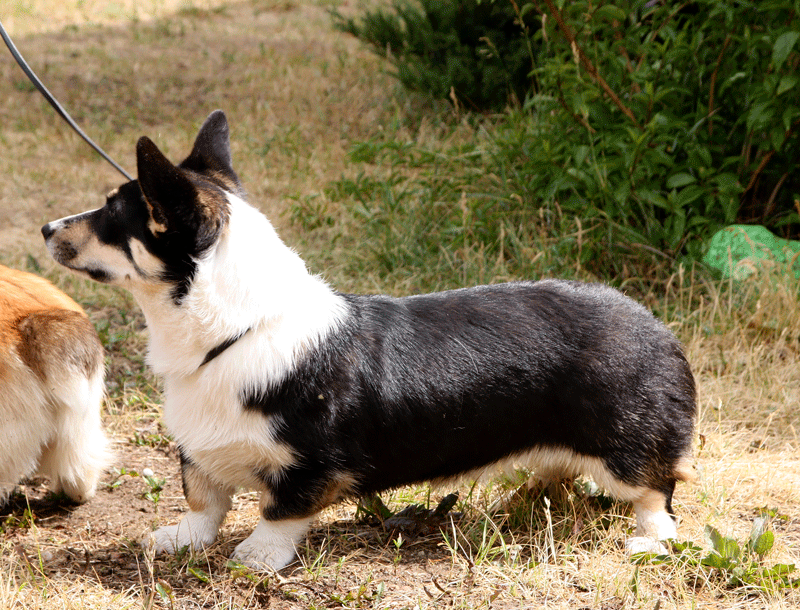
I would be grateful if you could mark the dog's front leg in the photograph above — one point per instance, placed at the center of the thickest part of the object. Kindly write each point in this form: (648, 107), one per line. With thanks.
(208, 504)
(272, 543)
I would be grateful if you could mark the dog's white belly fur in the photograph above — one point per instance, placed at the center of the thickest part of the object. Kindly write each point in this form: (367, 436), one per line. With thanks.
(552, 464)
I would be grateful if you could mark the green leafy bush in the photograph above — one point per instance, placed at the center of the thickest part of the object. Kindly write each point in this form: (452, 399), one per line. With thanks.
(664, 124)
(649, 128)
(474, 49)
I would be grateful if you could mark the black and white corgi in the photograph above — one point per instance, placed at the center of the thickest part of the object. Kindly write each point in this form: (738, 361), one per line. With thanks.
(276, 382)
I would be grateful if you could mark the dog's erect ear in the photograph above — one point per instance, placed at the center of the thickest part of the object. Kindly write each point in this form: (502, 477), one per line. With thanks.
(212, 148)
(170, 195)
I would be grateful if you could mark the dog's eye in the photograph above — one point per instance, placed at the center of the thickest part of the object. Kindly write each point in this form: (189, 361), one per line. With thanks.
(112, 207)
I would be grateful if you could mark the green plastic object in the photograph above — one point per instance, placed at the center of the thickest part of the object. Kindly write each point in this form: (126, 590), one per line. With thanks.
(738, 251)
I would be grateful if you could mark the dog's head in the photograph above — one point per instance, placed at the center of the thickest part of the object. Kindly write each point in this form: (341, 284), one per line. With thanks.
(154, 229)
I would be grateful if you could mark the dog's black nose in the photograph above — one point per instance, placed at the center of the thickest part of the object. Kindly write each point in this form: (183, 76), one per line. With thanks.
(47, 230)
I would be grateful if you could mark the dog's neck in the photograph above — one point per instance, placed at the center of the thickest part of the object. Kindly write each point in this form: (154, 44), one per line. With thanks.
(249, 280)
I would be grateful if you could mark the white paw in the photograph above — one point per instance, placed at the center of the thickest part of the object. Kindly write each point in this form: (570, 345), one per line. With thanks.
(263, 557)
(82, 490)
(271, 545)
(645, 544)
(194, 531)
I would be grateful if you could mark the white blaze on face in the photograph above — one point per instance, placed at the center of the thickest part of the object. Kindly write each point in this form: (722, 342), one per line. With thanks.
(74, 244)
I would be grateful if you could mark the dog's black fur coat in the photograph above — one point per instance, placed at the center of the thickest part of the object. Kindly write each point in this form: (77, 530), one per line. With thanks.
(469, 377)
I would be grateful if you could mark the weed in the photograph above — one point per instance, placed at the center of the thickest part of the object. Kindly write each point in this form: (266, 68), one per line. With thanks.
(238, 570)
(372, 507)
(150, 439)
(365, 595)
(397, 542)
(155, 486)
(118, 474)
(25, 521)
(199, 574)
(736, 565)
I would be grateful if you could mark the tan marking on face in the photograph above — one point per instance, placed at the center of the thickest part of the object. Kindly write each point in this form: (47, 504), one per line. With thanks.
(70, 239)
(157, 223)
(74, 245)
(150, 266)
(156, 227)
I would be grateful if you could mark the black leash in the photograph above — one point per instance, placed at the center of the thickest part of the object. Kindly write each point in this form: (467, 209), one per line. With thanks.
(54, 102)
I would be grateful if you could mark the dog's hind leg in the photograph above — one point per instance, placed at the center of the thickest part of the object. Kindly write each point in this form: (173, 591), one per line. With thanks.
(26, 426)
(208, 504)
(62, 348)
(652, 504)
(19, 456)
(654, 523)
(655, 520)
(77, 454)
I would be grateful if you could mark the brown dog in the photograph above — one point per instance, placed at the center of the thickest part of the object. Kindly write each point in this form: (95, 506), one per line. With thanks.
(51, 388)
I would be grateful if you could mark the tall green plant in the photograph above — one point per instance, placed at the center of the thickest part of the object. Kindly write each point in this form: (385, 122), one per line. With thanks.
(738, 566)
(664, 122)
(651, 125)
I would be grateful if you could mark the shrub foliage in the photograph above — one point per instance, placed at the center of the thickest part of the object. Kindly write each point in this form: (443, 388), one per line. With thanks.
(668, 122)
(653, 123)
(470, 50)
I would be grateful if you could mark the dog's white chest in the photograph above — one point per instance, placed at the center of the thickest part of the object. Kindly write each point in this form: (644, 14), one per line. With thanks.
(232, 445)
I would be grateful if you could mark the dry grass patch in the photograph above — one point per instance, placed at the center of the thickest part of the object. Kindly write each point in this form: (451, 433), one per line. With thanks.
(298, 95)
(39, 16)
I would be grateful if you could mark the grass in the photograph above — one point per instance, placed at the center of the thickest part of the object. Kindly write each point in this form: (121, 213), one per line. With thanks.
(362, 179)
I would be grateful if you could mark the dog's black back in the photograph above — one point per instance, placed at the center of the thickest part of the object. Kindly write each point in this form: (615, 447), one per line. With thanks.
(433, 386)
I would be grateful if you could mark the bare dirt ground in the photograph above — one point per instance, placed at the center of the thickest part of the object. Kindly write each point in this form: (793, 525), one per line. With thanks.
(297, 94)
